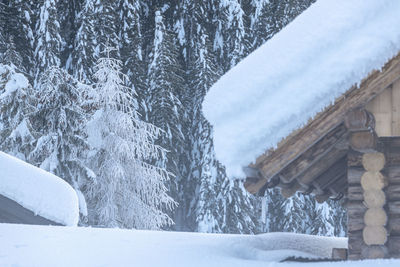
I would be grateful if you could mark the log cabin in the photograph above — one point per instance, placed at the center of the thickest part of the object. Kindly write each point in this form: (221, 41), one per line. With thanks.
(350, 148)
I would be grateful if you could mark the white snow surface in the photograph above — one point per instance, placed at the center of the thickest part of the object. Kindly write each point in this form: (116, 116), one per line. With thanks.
(15, 81)
(37, 190)
(29, 245)
(331, 46)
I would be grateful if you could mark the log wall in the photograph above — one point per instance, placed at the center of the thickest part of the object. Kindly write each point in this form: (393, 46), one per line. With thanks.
(392, 191)
(374, 201)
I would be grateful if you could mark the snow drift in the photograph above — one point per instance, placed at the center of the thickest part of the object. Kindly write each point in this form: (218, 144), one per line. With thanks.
(39, 191)
(66, 246)
(330, 47)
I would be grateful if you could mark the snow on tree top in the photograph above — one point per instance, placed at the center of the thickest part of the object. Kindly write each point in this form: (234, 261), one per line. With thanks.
(39, 191)
(296, 74)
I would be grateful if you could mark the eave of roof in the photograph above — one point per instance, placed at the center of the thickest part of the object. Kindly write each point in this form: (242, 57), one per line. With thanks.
(272, 162)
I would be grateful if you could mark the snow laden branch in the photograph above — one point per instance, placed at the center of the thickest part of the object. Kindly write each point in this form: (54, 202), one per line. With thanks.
(128, 191)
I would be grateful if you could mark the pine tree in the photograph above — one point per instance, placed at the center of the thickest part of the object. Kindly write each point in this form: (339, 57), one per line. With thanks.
(16, 37)
(59, 122)
(67, 12)
(270, 16)
(131, 48)
(164, 107)
(98, 24)
(16, 105)
(238, 208)
(128, 191)
(48, 39)
(230, 37)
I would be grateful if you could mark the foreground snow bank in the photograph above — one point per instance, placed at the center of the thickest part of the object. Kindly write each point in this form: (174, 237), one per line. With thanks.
(28, 245)
(39, 191)
(330, 47)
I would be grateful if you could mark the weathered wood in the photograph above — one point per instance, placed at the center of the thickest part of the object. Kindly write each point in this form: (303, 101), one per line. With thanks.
(355, 242)
(393, 192)
(322, 198)
(320, 166)
(290, 189)
(373, 162)
(324, 149)
(339, 254)
(356, 209)
(355, 193)
(354, 256)
(395, 108)
(381, 108)
(374, 235)
(374, 198)
(394, 226)
(355, 223)
(390, 142)
(339, 187)
(364, 141)
(394, 207)
(373, 181)
(294, 145)
(393, 174)
(253, 185)
(354, 175)
(359, 119)
(375, 217)
(374, 252)
(394, 246)
(354, 158)
(331, 175)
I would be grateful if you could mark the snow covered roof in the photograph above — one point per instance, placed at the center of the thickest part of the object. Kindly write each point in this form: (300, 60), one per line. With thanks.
(315, 59)
(39, 191)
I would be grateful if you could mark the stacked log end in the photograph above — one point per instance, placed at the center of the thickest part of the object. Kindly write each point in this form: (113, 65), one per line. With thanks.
(375, 218)
(367, 218)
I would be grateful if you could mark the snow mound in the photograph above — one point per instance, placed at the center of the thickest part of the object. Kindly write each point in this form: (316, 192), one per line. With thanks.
(328, 48)
(76, 246)
(39, 191)
(15, 81)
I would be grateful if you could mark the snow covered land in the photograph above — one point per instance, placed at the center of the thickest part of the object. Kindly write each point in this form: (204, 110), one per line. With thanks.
(25, 245)
(39, 191)
(302, 69)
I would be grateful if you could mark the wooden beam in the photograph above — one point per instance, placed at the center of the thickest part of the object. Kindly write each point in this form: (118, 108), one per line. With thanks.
(337, 170)
(359, 119)
(364, 141)
(309, 165)
(294, 145)
(314, 154)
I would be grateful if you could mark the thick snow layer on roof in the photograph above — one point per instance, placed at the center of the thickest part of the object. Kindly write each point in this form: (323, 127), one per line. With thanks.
(330, 47)
(39, 191)
(26, 245)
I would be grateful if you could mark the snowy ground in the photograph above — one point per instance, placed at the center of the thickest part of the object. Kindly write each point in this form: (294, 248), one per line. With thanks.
(27, 245)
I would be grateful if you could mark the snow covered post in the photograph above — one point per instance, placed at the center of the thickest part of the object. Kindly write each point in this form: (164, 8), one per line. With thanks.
(366, 214)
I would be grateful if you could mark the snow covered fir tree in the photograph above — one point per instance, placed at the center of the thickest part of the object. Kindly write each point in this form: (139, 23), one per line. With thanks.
(124, 126)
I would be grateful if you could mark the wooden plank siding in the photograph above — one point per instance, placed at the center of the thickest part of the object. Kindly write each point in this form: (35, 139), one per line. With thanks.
(386, 110)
